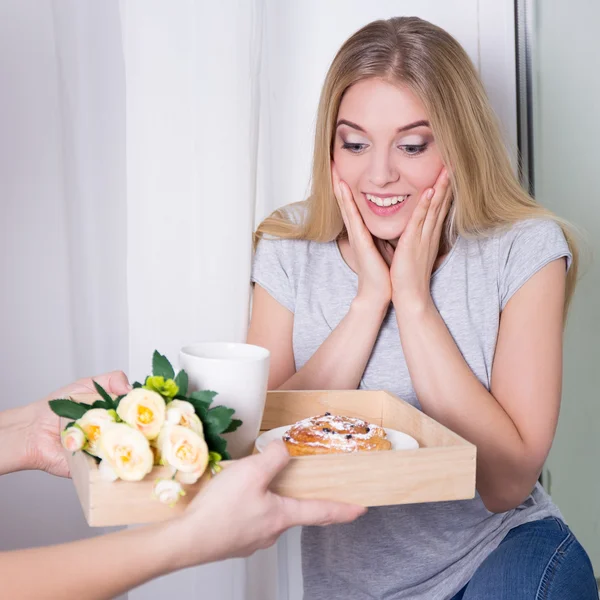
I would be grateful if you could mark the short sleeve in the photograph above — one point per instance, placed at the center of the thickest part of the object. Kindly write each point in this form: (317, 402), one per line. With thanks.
(525, 249)
(272, 270)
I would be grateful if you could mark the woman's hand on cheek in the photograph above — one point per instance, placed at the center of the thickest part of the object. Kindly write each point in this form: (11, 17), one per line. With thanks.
(419, 245)
(374, 283)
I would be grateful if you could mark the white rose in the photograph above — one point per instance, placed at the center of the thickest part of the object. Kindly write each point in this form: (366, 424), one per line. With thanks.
(183, 449)
(189, 478)
(168, 491)
(93, 423)
(144, 410)
(127, 451)
(73, 438)
(106, 471)
(180, 412)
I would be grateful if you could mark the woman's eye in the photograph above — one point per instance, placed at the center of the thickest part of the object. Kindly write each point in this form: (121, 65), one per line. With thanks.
(354, 148)
(413, 149)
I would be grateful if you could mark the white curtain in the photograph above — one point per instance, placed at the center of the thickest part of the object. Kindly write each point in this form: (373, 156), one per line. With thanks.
(176, 127)
(63, 305)
(91, 91)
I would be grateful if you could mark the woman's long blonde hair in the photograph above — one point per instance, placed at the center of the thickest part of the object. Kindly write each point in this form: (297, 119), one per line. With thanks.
(434, 66)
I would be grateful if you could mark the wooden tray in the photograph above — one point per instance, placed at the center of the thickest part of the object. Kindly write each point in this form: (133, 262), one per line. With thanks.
(443, 468)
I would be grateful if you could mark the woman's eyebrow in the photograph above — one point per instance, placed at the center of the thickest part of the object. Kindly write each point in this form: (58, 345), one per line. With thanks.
(350, 124)
(399, 130)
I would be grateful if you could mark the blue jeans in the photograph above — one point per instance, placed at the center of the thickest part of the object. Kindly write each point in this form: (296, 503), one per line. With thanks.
(541, 560)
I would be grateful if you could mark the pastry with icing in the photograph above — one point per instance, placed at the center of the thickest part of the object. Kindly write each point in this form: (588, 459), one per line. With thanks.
(327, 434)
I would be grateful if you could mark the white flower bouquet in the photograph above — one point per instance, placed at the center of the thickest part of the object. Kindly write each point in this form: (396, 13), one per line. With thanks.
(156, 423)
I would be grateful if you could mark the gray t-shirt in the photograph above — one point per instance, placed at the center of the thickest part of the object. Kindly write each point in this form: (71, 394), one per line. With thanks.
(417, 551)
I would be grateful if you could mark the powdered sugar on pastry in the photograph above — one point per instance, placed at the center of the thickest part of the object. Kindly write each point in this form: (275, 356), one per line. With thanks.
(332, 433)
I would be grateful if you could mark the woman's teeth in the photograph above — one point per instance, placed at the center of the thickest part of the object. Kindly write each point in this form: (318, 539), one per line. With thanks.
(385, 201)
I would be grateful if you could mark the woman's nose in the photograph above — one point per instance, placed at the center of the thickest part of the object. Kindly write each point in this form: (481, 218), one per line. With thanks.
(382, 170)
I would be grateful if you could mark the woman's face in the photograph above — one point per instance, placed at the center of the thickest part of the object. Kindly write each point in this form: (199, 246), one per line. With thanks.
(384, 150)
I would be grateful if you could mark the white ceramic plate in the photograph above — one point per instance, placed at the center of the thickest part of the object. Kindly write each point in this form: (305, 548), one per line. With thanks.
(400, 441)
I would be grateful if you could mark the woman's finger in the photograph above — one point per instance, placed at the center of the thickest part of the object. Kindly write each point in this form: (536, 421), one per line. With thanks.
(358, 228)
(337, 192)
(415, 223)
(355, 226)
(437, 202)
(446, 204)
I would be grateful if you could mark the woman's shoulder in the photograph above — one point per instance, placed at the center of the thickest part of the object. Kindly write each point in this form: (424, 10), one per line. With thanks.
(531, 240)
(296, 214)
(283, 264)
(513, 253)
(296, 255)
(526, 247)
(519, 236)
(295, 261)
(540, 227)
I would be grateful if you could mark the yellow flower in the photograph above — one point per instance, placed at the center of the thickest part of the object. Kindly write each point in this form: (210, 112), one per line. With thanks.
(168, 388)
(144, 410)
(180, 412)
(127, 452)
(183, 449)
(93, 423)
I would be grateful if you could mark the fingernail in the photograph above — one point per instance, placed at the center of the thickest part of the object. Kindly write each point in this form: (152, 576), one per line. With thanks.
(430, 194)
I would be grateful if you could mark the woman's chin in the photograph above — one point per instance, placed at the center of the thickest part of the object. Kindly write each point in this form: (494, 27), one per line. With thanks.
(387, 233)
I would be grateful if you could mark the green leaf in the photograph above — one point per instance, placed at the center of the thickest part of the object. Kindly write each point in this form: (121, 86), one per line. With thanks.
(233, 426)
(217, 444)
(199, 408)
(218, 419)
(94, 457)
(136, 385)
(102, 404)
(182, 382)
(69, 425)
(105, 396)
(69, 409)
(204, 397)
(161, 366)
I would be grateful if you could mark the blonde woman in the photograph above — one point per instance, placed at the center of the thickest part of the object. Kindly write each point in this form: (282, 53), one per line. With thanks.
(420, 266)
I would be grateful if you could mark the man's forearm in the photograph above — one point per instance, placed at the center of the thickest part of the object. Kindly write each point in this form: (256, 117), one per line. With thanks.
(96, 569)
(14, 429)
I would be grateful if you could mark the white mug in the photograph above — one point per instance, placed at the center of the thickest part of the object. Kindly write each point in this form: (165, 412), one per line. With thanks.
(239, 374)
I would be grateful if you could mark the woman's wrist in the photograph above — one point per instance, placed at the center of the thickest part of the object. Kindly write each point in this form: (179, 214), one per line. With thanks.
(412, 304)
(370, 305)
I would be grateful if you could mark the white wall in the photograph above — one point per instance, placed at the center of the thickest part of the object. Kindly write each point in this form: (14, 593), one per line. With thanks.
(567, 130)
